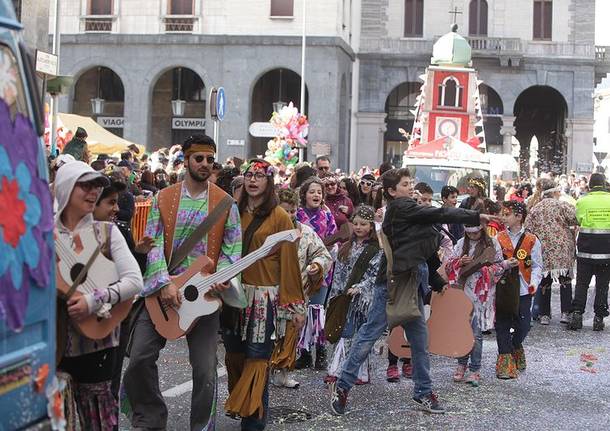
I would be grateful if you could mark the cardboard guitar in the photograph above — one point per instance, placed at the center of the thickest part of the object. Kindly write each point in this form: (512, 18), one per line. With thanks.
(449, 327)
(71, 258)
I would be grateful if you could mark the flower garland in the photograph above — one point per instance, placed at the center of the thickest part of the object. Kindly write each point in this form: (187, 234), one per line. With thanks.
(292, 128)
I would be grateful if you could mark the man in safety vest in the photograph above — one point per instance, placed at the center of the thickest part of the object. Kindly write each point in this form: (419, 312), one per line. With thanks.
(593, 252)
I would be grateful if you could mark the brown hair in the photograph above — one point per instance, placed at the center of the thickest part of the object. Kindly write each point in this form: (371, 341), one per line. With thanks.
(289, 196)
(390, 180)
(270, 200)
(305, 188)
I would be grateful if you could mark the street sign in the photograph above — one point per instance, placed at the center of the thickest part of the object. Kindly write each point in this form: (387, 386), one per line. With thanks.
(262, 130)
(46, 63)
(320, 148)
(111, 122)
(221, 103)
(236, 142)
(188, 123)
(600, 156)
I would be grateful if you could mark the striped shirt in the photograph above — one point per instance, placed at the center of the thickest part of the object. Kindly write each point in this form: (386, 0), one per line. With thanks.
(191, 212)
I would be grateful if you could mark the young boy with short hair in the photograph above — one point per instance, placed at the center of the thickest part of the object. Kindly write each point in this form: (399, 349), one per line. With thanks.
(524, 251)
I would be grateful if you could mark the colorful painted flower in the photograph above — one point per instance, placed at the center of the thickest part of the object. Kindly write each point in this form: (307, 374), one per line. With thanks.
(26, 218)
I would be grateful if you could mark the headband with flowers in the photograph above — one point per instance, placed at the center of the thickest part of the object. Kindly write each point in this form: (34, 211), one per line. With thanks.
(259, 165)
(365, 212)
(478, 182)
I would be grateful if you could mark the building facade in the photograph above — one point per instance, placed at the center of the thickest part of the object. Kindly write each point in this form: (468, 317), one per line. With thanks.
(537, 60)
(154, 62)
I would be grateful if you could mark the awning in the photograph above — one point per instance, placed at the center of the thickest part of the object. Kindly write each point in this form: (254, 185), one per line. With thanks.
(502, 163)
(99, 140)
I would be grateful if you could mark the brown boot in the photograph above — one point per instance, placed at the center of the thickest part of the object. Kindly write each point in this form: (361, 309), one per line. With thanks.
(519, 357)
(506, 367)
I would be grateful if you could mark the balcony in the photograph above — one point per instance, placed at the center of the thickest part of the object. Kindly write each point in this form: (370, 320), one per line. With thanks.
(179, 23)
(97, 23)
(602, 54)
(396, 46)
(495, 45)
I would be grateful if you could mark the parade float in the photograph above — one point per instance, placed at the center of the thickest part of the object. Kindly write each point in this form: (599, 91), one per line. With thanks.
(30, 393)
(291, 129)
(447, 143)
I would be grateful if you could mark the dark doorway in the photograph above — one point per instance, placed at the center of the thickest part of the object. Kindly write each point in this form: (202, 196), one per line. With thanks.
(541, 111)
(277, 85)
(398, 106)
(492, 109)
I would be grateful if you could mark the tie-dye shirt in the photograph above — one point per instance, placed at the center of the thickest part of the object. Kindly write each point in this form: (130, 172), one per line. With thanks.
(191, 212)
(321, 220)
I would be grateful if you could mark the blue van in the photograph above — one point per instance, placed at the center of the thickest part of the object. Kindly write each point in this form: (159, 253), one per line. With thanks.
(28, 388)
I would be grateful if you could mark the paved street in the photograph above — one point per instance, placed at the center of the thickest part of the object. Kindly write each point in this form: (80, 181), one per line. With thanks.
(554, 392)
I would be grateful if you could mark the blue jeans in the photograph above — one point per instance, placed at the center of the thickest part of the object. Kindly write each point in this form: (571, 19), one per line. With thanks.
(320, 297)
(476, 353)
(373, 328)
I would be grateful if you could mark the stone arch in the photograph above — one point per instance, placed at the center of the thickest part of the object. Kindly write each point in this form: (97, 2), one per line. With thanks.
(398, 106)
(492, 107)
(105, 85)
(542, 111)
(176, 83)
(276, 84)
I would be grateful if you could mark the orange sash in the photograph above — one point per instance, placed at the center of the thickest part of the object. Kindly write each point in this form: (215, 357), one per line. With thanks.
(523, 255)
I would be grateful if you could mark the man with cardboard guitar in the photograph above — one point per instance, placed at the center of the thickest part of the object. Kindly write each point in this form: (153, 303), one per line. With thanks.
(177, 224)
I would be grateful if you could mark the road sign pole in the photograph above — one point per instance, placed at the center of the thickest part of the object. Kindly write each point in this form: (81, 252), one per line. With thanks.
(216, 133)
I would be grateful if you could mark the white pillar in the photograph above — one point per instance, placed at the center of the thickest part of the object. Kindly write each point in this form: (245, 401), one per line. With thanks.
(580, 145)
(371, 127)
(508, 131)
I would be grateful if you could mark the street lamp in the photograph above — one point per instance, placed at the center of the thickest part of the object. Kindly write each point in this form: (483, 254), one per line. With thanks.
(97, 103)
(277, 106)
(178, 105)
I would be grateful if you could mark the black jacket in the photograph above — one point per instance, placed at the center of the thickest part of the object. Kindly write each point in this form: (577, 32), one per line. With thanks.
(410, 231)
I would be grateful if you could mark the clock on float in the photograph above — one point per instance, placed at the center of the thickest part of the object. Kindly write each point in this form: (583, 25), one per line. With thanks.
(448, 127)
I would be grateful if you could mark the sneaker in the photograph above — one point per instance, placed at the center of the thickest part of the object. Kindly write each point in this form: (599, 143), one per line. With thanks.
(565, 318)
(361, 382)
(458, 376)
(429, 403)
(282, 380)
(598, 323)
(338, 399)
(407, 370)
(474, 379)
(575, 322)
(545, 320)
(392, 374)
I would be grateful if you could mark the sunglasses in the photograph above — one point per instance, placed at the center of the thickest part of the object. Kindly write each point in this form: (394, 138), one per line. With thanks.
(200, 158)
(331, 184)
(366, 183)
(257, 176)
(324, 168)
(87, 186)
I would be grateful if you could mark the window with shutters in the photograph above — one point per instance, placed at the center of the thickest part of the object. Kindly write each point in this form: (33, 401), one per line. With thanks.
(543, 19)
(99, 16)
(414, 18)
(478, 18)
(450, 94)
(282, 8)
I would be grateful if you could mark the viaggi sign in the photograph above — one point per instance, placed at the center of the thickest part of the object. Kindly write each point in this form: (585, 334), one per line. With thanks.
(188, 123)
(111, 122)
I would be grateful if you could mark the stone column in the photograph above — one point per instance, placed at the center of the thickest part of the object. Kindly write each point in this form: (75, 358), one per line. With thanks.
(580, 144)
(137, 111)
(508, 131)
(369, 145)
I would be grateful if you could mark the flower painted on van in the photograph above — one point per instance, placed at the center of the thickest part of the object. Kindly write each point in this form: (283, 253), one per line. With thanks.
(26, 218)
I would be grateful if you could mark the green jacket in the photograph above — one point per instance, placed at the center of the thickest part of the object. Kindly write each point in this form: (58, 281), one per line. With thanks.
(593, 214)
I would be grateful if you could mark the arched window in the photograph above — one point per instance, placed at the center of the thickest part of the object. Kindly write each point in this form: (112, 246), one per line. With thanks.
(450, 94)
(478, 18)
(414, 18)
(543, 19)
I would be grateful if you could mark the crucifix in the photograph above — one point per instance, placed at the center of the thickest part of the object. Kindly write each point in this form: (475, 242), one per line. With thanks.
(455, 12)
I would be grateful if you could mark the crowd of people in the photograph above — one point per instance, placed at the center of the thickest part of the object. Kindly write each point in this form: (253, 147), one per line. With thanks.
(373, 246)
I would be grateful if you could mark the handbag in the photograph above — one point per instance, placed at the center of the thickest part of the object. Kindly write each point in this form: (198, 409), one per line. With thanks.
(338, 306)
(403, 301)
